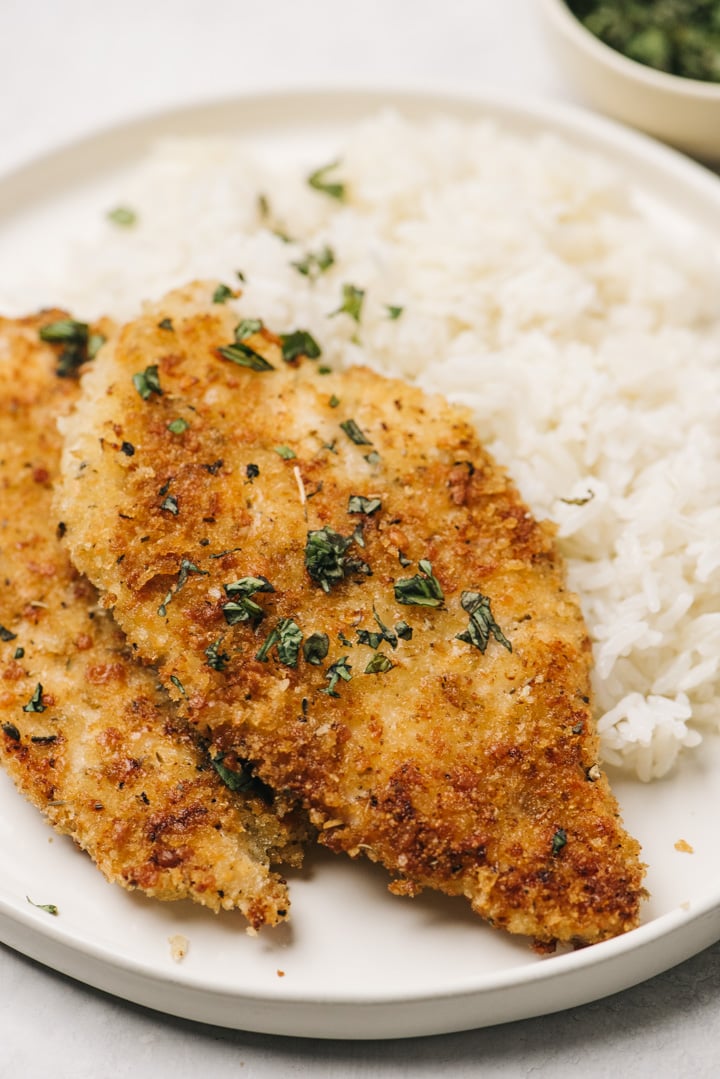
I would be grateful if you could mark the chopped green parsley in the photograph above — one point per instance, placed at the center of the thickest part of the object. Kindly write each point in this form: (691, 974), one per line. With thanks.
(49, 908)
(422, 590)
(215, 658)
(326, 558)
(482, 623)
(316, 648)
(244, 356)
(94, 344)
(559, 840)
(147, 382)
(35, 704)
(373, 639)
(240, 606)
(238, 780)
(122, 216)
(319, 181)
(64, 331)
(379, 664)
(247, 328)
(222, 294)
(299, 343)
(315, 262)
(176, 427)
(170, 503)
(74, 336)
(355, 434)
(248, 586)
(287, 638)
(360, 504)
(339, 670)
(178, 684)
(352, 302)
(187, 568)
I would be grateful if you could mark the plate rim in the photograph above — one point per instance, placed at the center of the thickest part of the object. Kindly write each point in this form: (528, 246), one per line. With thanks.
(691, 930)
(583, 125)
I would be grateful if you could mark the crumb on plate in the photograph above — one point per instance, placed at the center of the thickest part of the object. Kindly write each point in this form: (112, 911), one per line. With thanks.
(178, 947)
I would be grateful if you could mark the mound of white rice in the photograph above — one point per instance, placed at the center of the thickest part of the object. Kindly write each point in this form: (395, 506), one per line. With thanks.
(586, 343)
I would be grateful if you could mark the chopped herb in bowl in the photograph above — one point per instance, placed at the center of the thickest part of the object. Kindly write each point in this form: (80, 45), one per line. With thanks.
(680, 37)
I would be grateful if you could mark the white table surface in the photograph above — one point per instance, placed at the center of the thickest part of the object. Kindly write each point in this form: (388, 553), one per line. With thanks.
(68, 67)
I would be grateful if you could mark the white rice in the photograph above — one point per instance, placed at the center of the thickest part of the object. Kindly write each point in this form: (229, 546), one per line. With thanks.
(586, 343)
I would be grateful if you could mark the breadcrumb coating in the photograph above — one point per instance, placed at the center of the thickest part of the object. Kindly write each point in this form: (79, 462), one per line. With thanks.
(340, 586)
(87, 733)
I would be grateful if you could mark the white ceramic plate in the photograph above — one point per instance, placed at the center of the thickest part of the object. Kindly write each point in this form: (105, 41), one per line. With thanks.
(356, 962)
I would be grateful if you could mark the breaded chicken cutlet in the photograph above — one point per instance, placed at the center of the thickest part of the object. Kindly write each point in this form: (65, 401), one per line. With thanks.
(344, 590)
(86, 733)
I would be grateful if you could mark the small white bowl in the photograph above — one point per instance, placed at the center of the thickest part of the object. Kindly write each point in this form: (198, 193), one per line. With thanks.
(683, 112)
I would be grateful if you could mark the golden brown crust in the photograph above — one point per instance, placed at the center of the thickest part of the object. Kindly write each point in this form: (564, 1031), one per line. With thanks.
(99, 748)
(460, 769)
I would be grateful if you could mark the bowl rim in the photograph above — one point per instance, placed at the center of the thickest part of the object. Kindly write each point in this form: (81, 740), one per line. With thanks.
(568, 24)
